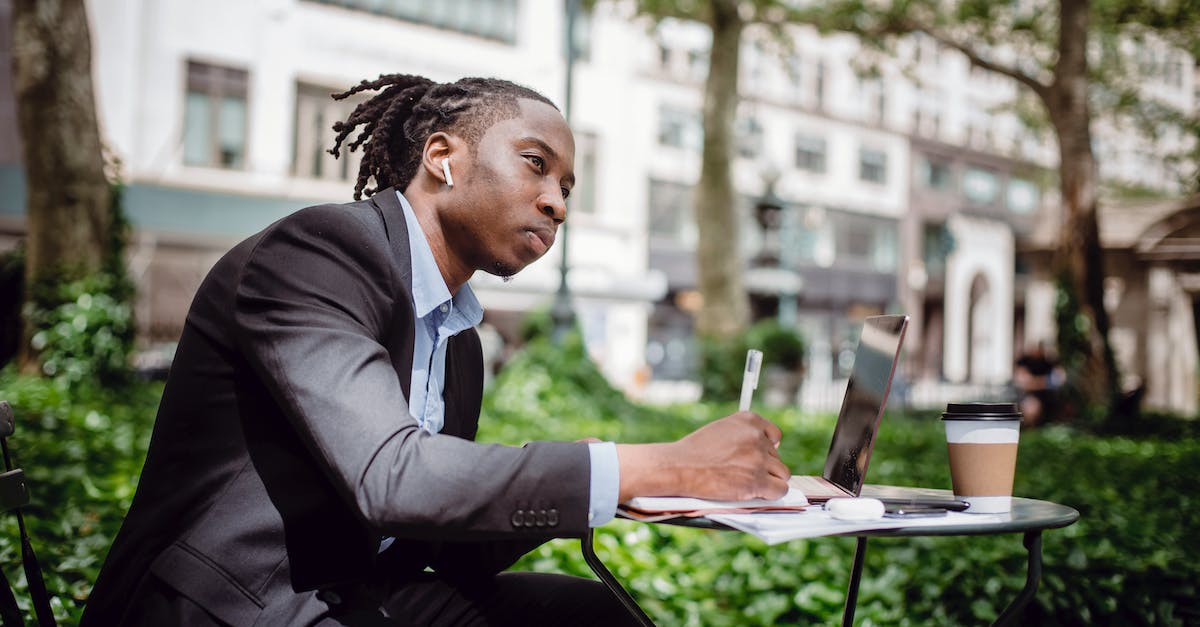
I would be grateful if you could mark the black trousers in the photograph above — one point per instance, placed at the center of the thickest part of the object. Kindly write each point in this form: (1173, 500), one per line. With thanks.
(513, 598)
(526, 599)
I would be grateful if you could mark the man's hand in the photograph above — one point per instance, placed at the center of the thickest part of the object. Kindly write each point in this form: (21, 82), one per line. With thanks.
(731, 459)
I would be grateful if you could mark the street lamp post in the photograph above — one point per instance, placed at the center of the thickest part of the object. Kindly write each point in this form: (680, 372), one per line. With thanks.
(768, 212)
(562, 313)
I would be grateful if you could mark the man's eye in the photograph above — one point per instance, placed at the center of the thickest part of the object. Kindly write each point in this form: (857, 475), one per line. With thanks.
(565, 192)
(538, 162)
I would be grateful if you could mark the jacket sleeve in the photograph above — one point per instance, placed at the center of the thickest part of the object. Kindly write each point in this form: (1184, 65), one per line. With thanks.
(312, 305)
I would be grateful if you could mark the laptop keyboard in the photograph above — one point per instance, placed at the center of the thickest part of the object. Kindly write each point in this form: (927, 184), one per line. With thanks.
(813, 486)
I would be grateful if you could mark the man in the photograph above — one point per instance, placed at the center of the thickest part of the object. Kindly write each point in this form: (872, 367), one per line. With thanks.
(312, 460)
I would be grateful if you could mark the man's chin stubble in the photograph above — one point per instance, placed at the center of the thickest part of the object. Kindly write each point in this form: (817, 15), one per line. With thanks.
(504, 271)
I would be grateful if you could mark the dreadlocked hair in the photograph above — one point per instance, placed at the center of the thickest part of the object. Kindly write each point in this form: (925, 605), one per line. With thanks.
(394, 124)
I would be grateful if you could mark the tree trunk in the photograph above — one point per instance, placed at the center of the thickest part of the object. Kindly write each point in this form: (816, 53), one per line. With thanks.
(68, 210)
(1080, 256)
(725, 309)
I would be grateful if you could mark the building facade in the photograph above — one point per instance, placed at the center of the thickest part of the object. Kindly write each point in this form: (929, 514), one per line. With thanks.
(220, 113)
(906, 186)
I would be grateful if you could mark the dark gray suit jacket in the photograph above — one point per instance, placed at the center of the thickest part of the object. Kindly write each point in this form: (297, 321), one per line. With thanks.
(284, 450)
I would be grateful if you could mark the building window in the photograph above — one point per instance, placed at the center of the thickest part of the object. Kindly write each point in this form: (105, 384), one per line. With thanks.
(937, 243)
(697, 60)
(214, 119)
(927, 114)
(872, 94)
(864, 241)
(582, 35)
(810, 153)
(679, 128)
(1173, 69)
(1023, 196)
(749, 137)
(493, 19)
(795, 73)
(671, 216)
(980, 186)
(583, 194)
(316, 113)
(820, 86)
(934, 174)
(872, 165)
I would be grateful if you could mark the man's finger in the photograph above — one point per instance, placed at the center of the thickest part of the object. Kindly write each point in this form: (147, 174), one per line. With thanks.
(776, 468)
(774, 433)
(776, 488)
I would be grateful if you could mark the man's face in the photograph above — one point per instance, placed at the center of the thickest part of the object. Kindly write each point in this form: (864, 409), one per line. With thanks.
(509, 199)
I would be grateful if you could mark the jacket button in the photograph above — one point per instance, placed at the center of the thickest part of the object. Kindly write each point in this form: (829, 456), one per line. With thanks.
(329, 596)
(518, 518)
(552, 518)
(540, 520)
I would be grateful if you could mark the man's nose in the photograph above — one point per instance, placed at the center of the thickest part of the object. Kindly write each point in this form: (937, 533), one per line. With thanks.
(554, 206)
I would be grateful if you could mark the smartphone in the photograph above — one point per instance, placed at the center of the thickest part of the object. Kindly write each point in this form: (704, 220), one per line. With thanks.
(913, 511)
(947, 504)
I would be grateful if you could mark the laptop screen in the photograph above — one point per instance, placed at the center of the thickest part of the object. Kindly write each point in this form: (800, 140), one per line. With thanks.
(866, 393)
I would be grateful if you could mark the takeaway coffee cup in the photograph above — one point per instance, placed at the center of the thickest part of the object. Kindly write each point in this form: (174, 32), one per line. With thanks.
(982, 440)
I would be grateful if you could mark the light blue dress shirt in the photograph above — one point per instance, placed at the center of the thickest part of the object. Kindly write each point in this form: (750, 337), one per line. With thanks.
(440, 316)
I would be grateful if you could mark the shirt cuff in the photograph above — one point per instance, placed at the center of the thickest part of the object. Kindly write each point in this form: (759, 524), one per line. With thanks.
(605, 484)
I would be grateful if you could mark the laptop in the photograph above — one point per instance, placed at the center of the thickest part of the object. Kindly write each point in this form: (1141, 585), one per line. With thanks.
(853, 437)
(862, 410)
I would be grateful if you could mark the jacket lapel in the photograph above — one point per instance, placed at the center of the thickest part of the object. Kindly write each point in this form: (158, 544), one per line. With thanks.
(399, 341)
(464, 357)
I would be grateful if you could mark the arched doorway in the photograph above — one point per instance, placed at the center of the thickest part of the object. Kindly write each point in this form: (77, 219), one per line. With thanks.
(981, 346)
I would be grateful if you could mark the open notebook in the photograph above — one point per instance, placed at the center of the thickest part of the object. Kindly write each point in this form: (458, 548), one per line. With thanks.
(849, 450)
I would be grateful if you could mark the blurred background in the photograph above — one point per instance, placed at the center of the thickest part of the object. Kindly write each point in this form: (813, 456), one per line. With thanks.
(864, 178)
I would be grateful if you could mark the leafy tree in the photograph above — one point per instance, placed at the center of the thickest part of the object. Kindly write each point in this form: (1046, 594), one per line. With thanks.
(1073, 56)
(70, 202)
(1045, 47)
(725, 310)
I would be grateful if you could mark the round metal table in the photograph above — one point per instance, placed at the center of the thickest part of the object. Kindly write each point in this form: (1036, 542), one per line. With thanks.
(1028, 516)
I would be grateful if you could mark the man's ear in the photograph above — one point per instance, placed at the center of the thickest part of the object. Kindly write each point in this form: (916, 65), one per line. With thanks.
(438, 147)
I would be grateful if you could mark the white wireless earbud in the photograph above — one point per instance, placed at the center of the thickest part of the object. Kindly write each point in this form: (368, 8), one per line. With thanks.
(446, 171)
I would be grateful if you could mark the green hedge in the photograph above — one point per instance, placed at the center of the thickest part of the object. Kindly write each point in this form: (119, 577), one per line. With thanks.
(1132, 558)
(82, 450)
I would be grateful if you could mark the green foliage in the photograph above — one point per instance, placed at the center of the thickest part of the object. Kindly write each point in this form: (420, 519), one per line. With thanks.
(1098, 414)
(82, 450)
(85, 330)
(1131, 558)
(781, 345)
(535, 325)
(722, 361)
(554, 391)
(83, 323)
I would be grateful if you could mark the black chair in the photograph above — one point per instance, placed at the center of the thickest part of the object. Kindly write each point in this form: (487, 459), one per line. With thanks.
(14, 494)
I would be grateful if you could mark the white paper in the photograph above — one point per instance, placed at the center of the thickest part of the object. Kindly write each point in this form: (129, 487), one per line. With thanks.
(774, 528)
(793, 498)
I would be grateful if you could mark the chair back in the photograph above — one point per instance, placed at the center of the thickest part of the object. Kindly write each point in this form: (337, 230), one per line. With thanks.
(14, 494)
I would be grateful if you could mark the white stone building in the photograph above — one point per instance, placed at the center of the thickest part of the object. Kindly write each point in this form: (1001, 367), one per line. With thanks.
(901, 192)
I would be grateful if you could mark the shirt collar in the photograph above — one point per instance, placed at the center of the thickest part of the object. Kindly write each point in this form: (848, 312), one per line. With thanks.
(428, 287)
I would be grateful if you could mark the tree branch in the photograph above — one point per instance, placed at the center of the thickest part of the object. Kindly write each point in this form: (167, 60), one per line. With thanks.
(891, 24)
(1038, 87)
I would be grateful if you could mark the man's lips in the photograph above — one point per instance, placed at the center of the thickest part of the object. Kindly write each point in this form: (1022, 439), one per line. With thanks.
(540, 239)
